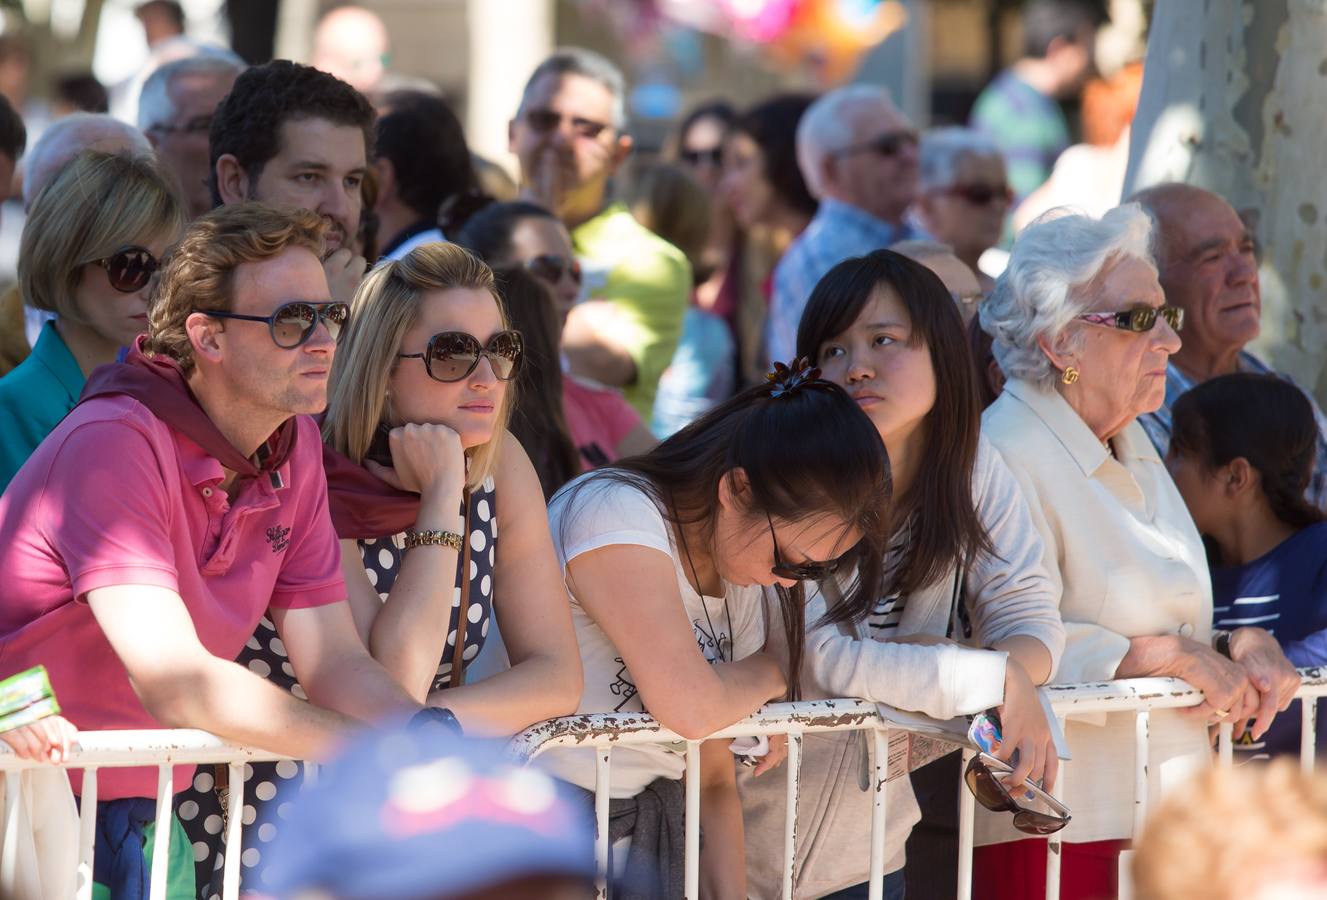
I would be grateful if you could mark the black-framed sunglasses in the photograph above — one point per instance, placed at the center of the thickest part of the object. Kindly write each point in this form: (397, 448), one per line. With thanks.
(453, 355)
(129, 269)
(1138, 319)
(981, 194)
(712, 155)
(549, 268)
(197, 125)
(546, 120)
(292, 324)
(807, 571)
(889, 144)
(1039, 813)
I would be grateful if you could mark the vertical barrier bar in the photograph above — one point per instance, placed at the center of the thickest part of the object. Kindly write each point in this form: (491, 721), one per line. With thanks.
(790, 811)
(879, 775)
(602, 784)
(1225, 745)
(1055, 842)
(966, 822)
(234, 846)
(87, 833)
(693, 821)
(1141, 770)
(161, 839)
(1308, 733)
(9, 847)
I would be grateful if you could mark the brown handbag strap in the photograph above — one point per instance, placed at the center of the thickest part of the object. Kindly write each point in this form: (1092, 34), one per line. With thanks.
(463, 613)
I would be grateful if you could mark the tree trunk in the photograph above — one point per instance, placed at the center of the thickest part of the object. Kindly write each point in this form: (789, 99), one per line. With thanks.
(1232, 101)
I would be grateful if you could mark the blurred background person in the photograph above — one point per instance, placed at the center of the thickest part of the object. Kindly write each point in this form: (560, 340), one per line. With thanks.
(672, 204)
(964, 195)
(352, 43)
(699, 147)
(1020, 109)
(958, 279)
(14, 345)
(80, 92)
(162, 20)
(175, 111)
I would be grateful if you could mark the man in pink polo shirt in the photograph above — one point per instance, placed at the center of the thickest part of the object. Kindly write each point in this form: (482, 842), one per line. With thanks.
(182, 500)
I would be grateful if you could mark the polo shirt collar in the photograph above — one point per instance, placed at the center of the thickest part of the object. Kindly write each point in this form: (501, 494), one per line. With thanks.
(1067, 426)
(204, 470)
(53, 354)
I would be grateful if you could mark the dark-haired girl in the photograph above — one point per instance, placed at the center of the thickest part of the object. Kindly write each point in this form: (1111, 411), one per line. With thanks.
(1242, 452)
(963, 552)
(667, 558)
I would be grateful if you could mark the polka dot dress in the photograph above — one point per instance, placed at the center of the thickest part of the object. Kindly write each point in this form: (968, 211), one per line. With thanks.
(200, 807)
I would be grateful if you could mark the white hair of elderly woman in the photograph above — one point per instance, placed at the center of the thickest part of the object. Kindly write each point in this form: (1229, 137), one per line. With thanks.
(942, 149)
(832, 123)
(1049, 282)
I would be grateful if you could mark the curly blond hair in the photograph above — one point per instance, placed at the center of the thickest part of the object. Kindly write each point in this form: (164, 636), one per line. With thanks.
(199, 272)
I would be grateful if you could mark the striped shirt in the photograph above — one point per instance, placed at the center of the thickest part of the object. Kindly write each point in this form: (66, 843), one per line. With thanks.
(1027, 126)
(884, 619)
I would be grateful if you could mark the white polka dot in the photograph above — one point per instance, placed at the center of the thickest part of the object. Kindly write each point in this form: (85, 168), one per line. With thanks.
(250, 858)
(265, 791)
(287, 768)
(283, 810)
(252, 643)
(485, 585)
(277, 647)
(288, 669)
(373, 575)
(482, 508)
(451, 639)
(212, 824)
(490, 557)
(248, 771)
(474, 570)
(200, 851)
(250, 815)
(266, 832)
(203, 782)
(265, 622)
(483, 629)
(298, 692)
(385, 558)
(493, 528)
(216, 867)
(383, 595)
(478, 542)
(470, 652)
(260, 667)
(456, 598)
(188, 811)
(476, 612)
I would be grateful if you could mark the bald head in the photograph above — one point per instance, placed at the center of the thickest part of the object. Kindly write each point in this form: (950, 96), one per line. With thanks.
(350, 43)
(69, 137)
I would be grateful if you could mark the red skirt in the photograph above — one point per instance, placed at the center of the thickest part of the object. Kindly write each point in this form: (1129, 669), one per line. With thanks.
(1017, 870)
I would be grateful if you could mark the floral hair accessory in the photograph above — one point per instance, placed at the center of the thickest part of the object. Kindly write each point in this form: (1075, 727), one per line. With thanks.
(786, 379)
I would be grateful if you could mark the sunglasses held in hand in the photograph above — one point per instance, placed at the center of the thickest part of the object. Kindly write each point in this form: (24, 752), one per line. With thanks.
(1035, 811)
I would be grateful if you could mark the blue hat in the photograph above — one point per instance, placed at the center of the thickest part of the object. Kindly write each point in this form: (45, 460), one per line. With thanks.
(405, 814)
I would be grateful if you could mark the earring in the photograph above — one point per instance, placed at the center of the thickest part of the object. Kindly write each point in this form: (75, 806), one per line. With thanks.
(1070, 375)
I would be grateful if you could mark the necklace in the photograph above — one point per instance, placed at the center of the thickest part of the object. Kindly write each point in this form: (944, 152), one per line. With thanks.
(700, 592)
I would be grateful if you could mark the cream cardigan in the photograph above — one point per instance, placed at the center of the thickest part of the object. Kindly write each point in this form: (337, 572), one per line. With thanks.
(1129, 562)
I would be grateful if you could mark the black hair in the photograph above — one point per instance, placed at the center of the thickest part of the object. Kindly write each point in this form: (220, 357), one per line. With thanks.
(1261, 418)
(773, 126)
(717, 108)
(537, 417)
(1046, 21)
(423, 140)
(83, 92)
(488, 232)
(806, 452)
(13, 134)
(946, 529)
(247, 123)
(982, 346)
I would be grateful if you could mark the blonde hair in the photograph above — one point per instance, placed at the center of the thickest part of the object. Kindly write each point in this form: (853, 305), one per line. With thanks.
(1226, 833)
(97, 204)
(199, 272)
(384, 308)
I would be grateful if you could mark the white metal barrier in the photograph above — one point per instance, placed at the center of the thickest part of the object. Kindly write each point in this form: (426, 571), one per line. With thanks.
(163, 749)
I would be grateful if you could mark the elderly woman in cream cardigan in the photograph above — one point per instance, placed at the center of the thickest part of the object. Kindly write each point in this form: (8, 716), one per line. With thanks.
(1083, 333)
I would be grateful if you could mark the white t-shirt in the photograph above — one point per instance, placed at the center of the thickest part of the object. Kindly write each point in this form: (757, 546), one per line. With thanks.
(603, 513)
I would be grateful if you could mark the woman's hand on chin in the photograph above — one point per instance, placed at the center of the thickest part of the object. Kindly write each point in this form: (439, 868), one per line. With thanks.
(425, 458)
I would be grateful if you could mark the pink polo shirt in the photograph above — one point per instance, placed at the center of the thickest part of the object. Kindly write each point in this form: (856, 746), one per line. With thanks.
(112, 497)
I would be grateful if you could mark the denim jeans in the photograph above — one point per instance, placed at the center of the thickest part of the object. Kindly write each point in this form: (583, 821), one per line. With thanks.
(893, 889)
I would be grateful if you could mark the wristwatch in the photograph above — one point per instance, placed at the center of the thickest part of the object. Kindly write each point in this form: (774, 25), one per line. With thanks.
(1221, 643)
(436, 717)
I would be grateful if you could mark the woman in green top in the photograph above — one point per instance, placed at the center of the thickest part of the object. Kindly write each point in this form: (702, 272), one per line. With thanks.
(90, 245)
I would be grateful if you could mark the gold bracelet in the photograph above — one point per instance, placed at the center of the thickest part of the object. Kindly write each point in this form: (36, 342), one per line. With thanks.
(415, 539)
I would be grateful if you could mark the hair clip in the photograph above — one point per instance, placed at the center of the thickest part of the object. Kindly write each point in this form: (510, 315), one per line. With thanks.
(786, 379)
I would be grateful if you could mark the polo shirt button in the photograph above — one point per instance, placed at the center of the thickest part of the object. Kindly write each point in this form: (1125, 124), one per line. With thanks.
(1186, 630)
(207, 492)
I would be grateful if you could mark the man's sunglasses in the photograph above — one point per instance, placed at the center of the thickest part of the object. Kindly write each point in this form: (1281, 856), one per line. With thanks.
(1139, 319)
(1039, 813)
(453, 355)
(807, 571)
(129, 269)
(197, 125)
(713, 156)
(549, 267)
(544, 121)
(889, 144)
(981, 194)
(292, 324)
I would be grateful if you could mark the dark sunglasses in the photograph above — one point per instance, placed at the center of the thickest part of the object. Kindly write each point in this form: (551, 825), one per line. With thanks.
(292, 324)
(985, 777)
(129, 269)
(453, 355)
(1139, 319)
(713, 156)
(807, 571)
(889, 144)
(549, 267)
(196, 125)
(546, 120)
(981, 194)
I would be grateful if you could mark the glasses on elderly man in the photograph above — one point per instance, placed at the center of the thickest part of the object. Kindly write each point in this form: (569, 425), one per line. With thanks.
(1138, 319)
(889, 144)
(981, 194)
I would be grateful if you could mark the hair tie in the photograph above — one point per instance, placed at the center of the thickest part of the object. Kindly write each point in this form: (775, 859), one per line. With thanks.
(787, 379)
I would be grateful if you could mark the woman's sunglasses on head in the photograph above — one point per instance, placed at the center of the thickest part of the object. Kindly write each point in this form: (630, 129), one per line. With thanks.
(1138, 319)
(129, 269)
(292, 324)
(453, 355)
